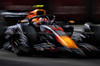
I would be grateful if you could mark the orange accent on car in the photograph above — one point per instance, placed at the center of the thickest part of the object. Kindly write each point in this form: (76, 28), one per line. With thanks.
(72, 21)
(36, 10)
(66, 41)
(34, 13)
(22, 21)
(35, 20)
(29, 16)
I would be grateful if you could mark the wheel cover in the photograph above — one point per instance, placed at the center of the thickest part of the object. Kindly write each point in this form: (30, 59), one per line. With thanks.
(15, 44)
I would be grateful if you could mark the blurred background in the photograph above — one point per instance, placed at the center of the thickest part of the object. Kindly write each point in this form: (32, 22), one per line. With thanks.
(79, 10)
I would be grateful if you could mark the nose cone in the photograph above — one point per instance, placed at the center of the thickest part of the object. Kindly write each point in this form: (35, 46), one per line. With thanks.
(70, 45)
(66, 41)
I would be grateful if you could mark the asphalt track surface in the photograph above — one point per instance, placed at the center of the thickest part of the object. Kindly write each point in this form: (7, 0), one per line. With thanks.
(11, 59)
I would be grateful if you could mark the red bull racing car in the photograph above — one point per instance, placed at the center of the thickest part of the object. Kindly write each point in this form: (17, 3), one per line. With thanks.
(39, 32)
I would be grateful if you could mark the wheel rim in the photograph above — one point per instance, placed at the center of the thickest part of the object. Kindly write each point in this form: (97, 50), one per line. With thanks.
(15, 44)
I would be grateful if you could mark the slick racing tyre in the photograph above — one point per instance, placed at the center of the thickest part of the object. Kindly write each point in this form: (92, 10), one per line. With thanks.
(31, 34)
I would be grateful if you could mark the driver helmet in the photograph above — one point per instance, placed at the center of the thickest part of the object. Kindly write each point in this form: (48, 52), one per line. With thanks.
(43, 20)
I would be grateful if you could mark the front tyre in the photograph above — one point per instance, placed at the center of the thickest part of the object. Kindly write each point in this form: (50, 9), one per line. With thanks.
(31, 34)
(19, 49)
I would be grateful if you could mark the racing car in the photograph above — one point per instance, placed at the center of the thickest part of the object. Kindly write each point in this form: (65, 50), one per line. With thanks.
(39, 33)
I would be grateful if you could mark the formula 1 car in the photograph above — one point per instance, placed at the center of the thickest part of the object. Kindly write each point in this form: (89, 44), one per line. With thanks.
(26, 37)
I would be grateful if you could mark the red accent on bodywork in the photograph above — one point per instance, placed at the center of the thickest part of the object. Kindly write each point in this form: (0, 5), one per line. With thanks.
(54, 28)
(47, 31)
(60, 29)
